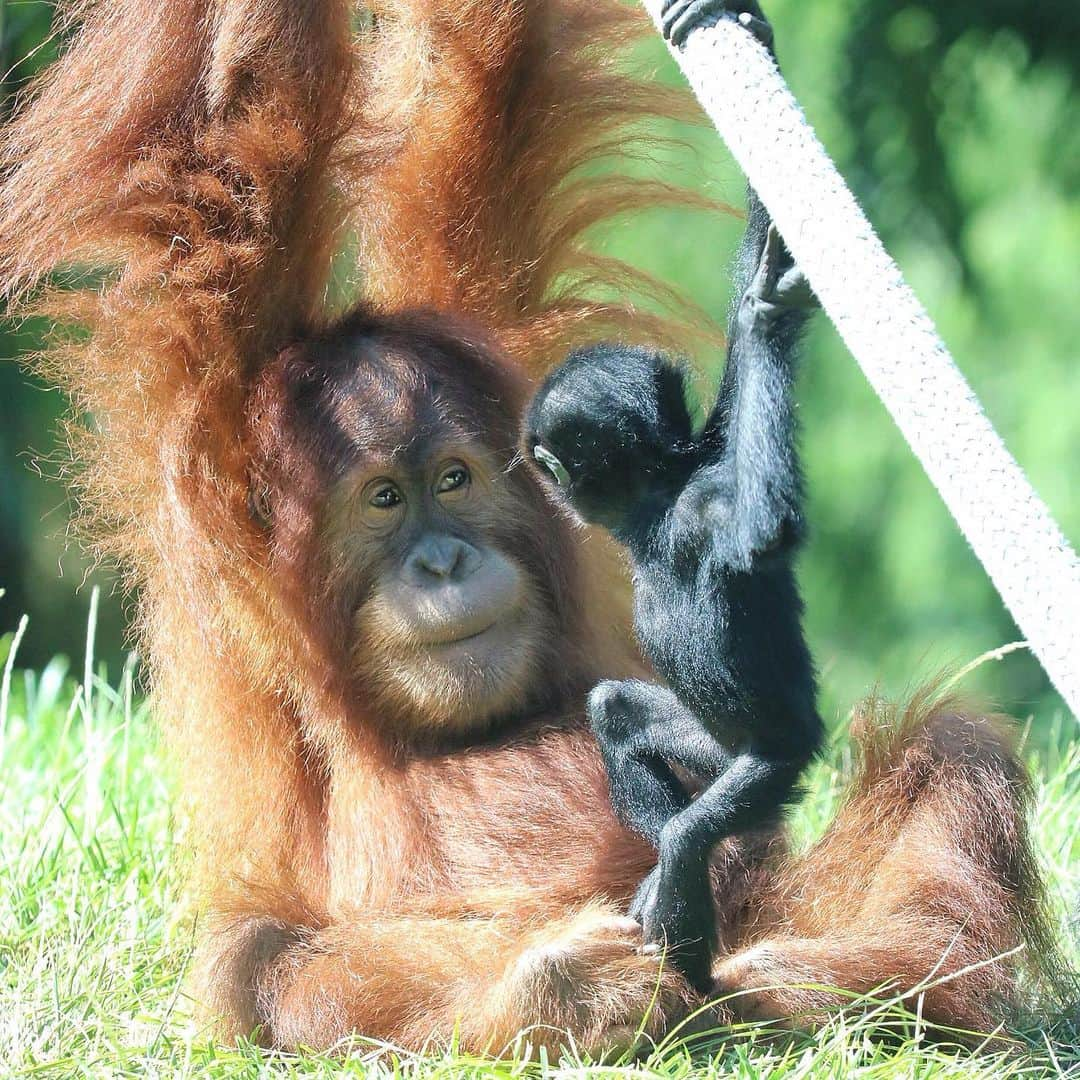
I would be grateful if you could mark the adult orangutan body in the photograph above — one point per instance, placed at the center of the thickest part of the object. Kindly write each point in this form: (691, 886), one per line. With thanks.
(370, 636)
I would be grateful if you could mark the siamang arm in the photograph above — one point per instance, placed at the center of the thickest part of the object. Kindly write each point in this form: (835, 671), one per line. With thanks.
(747, 496)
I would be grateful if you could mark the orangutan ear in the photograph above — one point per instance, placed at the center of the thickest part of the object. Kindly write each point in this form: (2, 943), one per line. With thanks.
(259, 503)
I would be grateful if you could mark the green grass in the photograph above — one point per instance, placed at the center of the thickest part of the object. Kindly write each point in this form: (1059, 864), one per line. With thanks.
(94, 939)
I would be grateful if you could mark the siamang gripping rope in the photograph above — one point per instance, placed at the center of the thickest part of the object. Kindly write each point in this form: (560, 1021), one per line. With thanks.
(713, 522)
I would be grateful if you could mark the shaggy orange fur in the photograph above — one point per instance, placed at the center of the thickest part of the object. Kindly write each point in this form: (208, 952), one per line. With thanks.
(193, 166)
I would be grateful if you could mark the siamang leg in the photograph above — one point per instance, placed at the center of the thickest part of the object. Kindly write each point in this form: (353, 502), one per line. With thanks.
(679, 17)
(643, 730)
(670, 904)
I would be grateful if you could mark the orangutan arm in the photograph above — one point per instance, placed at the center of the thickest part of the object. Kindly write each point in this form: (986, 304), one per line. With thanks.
(410, 978)
(484, 207)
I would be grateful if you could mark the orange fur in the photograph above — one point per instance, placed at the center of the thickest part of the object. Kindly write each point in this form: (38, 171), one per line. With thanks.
(927, 872)
(206, 158)
(484, 209)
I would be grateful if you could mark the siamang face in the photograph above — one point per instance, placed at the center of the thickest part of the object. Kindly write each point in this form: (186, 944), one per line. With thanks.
(604, 427)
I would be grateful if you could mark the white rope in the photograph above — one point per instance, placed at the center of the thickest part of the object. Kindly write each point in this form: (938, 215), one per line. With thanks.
(892, 338)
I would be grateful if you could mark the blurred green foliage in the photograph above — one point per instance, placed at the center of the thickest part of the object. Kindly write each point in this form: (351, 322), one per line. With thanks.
(39, 571)
(957, 126)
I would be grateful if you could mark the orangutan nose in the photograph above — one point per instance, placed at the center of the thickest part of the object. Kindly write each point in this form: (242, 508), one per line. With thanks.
(443, 558)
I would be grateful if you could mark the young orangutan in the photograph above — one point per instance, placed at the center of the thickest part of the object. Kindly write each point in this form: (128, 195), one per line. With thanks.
(370, 639)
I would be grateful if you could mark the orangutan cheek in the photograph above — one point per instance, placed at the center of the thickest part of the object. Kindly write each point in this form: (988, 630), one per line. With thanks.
(449, 684)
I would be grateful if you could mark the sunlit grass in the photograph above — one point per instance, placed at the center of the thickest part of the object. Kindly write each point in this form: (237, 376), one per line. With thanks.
(94, 940)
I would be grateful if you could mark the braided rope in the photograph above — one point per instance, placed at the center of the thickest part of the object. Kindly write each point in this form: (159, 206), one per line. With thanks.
(891, 336)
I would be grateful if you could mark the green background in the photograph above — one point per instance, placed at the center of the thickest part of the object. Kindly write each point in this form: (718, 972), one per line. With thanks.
(959, 130)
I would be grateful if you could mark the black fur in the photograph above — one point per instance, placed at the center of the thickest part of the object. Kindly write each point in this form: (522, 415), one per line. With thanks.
(713, 521)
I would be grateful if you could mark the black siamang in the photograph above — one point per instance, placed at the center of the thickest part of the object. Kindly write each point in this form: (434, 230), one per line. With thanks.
(713, 522)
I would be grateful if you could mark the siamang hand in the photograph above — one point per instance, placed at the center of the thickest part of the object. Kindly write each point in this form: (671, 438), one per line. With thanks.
(676, 911)
(778, 287)
(679, 17)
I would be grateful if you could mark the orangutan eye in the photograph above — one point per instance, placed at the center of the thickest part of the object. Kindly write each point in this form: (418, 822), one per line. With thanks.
(552, 464)
(385, 497)
(456, 477)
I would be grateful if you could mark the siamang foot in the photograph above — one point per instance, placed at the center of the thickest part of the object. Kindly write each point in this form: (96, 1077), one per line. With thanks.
(779, 286)
(680, 17)
(676, 912)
